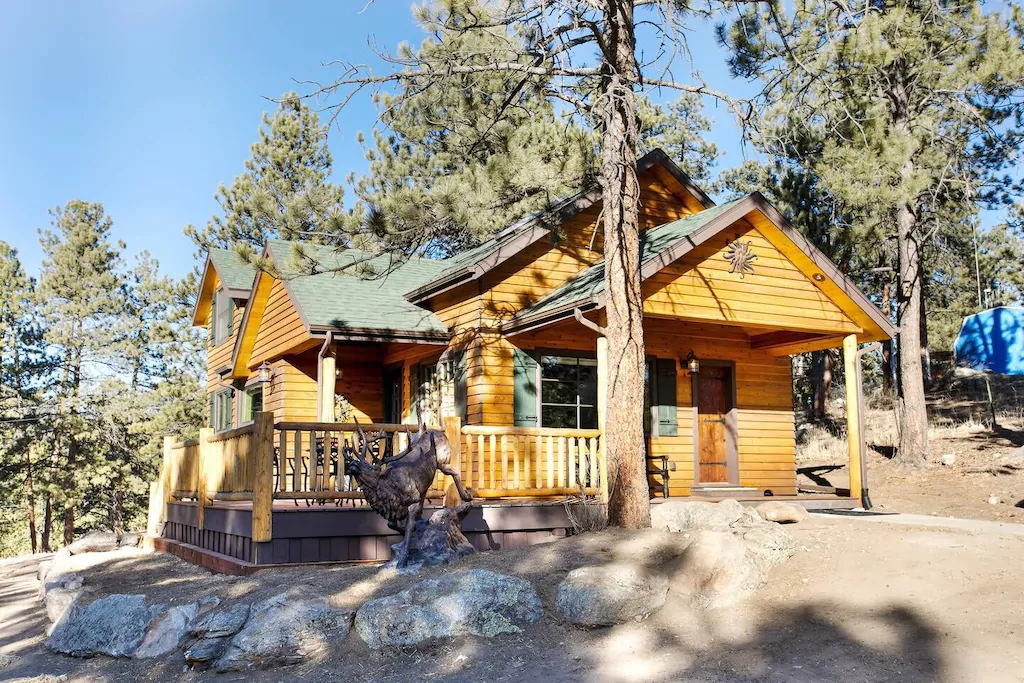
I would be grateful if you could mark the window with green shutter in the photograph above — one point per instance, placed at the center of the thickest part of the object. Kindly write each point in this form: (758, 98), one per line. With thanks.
(222, 413)
(524, 389)
(252, 403)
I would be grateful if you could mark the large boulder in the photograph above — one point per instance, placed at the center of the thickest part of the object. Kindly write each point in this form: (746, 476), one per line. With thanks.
(782, 512)
(166, 631)
(59, 592)
(682, 516)
(94, 542)
(114, 626)
(720, 568)
(436, 541)
(610, 594)
(476, 602)
(284, 630)
(212, 634)
(226, 621)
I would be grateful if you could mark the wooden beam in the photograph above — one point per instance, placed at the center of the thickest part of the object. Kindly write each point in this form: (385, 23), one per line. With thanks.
(263, 482)
(819, 344)
(853, 408)
(781, 338)
(602, 410)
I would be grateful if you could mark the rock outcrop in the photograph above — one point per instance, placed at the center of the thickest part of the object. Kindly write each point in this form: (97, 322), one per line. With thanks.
(167, 631)
(476, 602)
(283, 630)
(114, 625)
(782, 512)
(94, 542)
(606, 595)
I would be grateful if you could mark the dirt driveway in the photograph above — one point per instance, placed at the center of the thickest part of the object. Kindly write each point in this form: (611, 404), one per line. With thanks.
(863, 601)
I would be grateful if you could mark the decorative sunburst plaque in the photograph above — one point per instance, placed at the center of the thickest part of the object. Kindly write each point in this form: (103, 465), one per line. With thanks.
(740, 255)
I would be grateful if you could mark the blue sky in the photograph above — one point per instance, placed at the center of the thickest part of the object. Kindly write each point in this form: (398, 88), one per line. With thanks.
(148, 106)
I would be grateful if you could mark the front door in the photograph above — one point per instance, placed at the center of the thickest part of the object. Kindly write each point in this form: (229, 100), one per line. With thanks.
(714, 403)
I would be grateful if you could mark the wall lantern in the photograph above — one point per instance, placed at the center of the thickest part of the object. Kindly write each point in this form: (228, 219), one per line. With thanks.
(266, 373)
(692, 363)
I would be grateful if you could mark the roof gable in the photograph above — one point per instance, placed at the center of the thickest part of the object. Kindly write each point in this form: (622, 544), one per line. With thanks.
(666, 244)
(473, 263)
(223, 268)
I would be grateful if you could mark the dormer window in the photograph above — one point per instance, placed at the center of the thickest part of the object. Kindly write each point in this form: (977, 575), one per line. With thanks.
(223, 310)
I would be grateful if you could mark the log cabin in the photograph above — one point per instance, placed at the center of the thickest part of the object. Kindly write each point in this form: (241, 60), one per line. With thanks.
(486, 345)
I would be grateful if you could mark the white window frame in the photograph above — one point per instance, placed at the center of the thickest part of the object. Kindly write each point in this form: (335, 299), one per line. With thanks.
(222, 316)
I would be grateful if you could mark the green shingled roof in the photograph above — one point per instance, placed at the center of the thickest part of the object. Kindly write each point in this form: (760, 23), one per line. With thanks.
(363, 295)
(590, 283)
(232, 270)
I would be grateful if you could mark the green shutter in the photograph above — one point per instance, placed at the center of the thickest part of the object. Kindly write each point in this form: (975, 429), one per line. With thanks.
(212, 422)
(524, 389)
(666, 386)
(459, 372)
(231, 317)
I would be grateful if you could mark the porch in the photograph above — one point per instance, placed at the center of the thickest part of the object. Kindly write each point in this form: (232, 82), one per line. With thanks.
(271, 494)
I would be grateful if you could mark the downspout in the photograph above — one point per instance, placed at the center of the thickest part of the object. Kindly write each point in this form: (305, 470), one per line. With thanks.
(869, 348)
(319, 375)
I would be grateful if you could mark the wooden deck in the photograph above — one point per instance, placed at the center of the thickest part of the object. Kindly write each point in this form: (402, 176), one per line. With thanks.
(309, 534)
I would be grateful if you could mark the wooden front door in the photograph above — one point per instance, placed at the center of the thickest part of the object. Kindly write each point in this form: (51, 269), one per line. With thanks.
(714, 402)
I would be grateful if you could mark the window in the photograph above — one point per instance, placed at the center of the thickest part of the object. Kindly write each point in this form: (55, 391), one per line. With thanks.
(252, 403)
(223, 310)
(220, 411)
(568, 392)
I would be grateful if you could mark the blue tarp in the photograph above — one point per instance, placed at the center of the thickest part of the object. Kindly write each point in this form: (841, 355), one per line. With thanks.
(992, 340)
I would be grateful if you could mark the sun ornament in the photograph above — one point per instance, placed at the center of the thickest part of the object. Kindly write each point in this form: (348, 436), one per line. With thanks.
(740, 254)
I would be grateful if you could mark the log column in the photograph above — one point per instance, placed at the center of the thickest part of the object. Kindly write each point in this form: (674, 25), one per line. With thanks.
(327, 374)
(602, 408)
(853, 410)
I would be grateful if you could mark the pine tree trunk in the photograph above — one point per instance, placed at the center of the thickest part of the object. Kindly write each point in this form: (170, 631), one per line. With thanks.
(910, 398)
(926, 357)
(887, 344)
(629, 503)
(30, 503)
(44, 540)
(822, 364)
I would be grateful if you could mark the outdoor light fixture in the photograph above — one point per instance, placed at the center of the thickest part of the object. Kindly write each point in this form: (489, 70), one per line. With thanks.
(692, 363)
(266, 373)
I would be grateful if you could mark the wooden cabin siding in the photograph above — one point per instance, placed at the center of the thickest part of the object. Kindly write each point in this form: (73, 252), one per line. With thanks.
(281, 328)
(549, 263)
(489, 381)
(766, 444)
(219, 356)
(776, 295)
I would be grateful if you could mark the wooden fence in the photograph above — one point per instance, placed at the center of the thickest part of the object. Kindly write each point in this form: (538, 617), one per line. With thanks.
(304, 461)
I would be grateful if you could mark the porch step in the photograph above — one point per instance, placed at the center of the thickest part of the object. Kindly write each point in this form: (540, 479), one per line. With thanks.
(723, 492)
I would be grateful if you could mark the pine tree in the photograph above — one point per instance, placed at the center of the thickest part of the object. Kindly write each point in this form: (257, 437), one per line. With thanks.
(285, 192)
(20, 428)
(80, 297)
(915, 104)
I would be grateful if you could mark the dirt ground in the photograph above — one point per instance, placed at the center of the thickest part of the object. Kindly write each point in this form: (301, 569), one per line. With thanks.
(983, 468)
(861, 602)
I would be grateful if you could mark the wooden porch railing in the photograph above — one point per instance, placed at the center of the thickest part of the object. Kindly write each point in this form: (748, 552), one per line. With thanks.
(297, 461)
(521, 461)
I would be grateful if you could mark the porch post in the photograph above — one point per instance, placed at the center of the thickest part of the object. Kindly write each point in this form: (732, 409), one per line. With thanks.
(853, 408)
(602, 408)
(326, 372)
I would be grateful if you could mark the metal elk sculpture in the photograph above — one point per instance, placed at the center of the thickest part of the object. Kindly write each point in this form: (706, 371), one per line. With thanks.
(396, 486)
